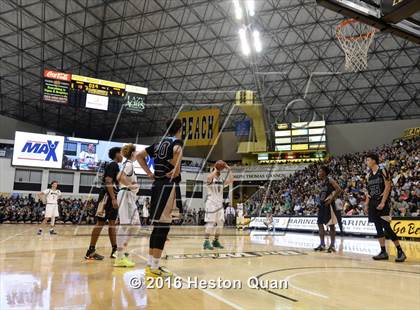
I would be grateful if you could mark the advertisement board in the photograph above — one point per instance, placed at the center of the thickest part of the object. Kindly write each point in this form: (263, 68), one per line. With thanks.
(354, 225)
(404, 227)
(50, 151)
(38, 150)
(97, 102)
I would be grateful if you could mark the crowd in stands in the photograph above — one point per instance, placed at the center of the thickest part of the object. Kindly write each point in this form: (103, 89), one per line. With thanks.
(297, 194)
(17, 209)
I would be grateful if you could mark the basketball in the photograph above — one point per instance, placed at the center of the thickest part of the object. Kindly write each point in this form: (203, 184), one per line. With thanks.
(220, 165)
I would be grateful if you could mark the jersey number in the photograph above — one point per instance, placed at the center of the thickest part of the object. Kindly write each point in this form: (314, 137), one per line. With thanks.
(163, 150)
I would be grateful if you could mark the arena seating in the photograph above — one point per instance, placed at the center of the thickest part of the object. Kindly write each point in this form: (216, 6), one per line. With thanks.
(297, 194)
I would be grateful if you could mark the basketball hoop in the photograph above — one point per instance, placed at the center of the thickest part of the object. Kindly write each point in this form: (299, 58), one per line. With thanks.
(355, 38)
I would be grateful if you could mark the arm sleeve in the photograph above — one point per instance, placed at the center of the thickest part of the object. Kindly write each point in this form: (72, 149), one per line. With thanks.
(46, 191)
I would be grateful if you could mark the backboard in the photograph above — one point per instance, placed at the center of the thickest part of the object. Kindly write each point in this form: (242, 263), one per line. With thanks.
(400, 17)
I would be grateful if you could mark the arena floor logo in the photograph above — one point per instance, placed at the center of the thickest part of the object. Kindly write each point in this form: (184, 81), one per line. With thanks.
(234, 254)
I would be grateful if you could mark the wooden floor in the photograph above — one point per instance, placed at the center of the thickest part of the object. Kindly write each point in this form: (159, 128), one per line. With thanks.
(46, 272)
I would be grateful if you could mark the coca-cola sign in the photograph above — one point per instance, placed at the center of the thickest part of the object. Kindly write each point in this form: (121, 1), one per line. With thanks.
(57, 75)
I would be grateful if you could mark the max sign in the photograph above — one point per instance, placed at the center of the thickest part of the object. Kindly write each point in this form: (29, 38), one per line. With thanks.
(37, 150)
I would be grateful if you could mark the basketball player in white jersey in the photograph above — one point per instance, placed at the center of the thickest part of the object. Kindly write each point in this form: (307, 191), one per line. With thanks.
(269, 221)
(127, 211)
(240, 216)
(215, 215)
(50, 196)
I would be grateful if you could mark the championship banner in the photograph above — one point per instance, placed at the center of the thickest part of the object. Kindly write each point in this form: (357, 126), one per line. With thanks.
(201, 127)
(411, 133)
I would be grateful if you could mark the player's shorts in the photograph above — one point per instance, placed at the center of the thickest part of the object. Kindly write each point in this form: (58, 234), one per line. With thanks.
(127, 207)
(105, 210)
(163, 201)
(51, 210)
(214, 212)
(326, 215)
(375, 215)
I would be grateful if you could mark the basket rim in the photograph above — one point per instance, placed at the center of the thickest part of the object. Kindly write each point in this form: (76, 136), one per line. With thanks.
(349, 21)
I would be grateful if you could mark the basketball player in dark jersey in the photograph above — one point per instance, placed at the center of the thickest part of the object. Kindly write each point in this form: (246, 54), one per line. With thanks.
(107, 206)
(167, 156)
(379, 207)
(330, 190)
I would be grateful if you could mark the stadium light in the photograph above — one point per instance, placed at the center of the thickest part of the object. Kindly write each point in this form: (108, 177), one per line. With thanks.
(257, 41)
(238, 9)
(244, 41)
(250, 6)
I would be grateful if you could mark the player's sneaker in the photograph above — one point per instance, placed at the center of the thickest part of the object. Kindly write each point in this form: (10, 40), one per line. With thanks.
(114, 253)
(52, 232)
(207, 245)
(381, 256)
(39, 232)
(158, 273)
(331, 249)
(124, 262)
(91, 254)
(217, 244)
(320, 248)
(401, 257)
(147, 269)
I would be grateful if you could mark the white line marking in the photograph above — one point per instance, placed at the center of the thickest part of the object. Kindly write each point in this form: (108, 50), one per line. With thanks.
(20, 233)
(302, 289)
(210, 293)
(347, 271)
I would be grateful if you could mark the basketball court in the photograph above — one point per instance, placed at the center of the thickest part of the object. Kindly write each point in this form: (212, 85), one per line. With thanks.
(99, 74)
(50, 272)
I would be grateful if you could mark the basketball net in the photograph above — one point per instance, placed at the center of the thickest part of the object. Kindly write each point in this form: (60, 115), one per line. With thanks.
(355, 38)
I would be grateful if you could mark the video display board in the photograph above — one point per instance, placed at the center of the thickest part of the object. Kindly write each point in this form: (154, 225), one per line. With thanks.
(56, 86)
(51, 151)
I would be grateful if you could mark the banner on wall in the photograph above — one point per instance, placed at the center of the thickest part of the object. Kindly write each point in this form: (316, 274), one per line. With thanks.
(354, 225)
(411, 133)
(200, 127)
(243, 128)
(38, 150)
(406, 227)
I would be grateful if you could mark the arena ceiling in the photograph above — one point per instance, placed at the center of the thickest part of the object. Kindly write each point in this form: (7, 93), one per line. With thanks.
(188, 52)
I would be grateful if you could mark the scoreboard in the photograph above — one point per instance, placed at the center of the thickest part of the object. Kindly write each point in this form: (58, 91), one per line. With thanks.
(301, 136)
(299, 142)
(92, 93)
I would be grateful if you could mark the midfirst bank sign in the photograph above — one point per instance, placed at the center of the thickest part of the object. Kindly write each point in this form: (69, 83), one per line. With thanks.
(38, 150)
